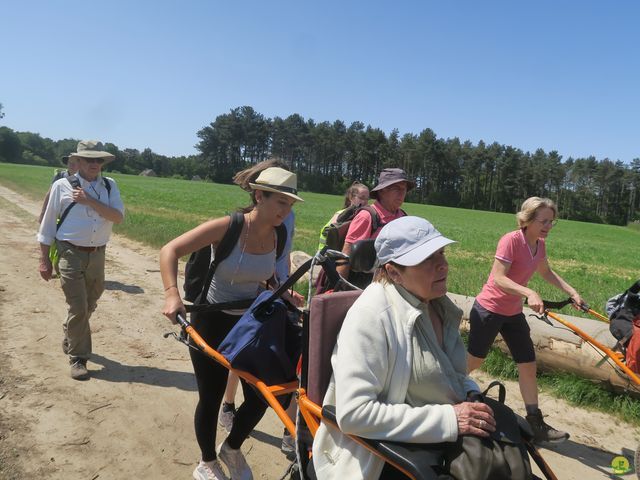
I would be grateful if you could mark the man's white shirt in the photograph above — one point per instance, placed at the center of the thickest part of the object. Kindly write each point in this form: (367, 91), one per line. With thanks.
(83, 226)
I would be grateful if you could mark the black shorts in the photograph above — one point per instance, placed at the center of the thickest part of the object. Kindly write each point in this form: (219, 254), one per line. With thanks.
(484, 326)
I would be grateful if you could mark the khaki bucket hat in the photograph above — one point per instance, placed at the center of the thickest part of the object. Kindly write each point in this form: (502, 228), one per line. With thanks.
(92, 149)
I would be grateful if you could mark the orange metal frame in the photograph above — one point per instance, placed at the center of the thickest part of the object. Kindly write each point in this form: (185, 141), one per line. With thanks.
(269, 392)
(615, 356)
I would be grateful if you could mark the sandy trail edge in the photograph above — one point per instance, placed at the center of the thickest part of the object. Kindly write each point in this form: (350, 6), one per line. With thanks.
(133, 419)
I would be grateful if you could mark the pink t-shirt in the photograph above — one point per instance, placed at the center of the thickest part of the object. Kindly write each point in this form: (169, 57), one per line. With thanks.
(513, 249)
(360, 226)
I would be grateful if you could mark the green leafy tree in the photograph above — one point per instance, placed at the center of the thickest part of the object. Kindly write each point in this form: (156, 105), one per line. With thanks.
(10, 146)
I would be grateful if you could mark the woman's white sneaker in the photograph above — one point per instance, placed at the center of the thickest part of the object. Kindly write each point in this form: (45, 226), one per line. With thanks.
(209, 471)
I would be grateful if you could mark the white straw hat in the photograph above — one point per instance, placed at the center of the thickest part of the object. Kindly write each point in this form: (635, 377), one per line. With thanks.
(279, 180)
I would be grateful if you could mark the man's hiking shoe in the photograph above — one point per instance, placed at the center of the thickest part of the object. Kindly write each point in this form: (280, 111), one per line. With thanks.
(235, 462)
(79, 369)
(227, 414)
(209, 471)
(543, 432)
(65, 346)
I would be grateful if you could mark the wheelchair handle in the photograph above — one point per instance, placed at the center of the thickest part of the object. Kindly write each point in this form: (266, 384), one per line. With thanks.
(327, 253)
(559, 305)
(183, 322)
(548, 304)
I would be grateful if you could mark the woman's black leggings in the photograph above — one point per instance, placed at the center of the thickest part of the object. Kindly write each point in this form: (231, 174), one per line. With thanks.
(212, 380)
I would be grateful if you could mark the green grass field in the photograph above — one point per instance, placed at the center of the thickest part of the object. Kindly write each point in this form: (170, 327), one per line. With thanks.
(599, 260)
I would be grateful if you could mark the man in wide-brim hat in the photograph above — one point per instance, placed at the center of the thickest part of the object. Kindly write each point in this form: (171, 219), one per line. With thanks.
(79, 217)
(389, 193)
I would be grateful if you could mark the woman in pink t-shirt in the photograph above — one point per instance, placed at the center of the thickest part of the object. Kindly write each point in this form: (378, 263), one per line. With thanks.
(498, 307)
(389, 193)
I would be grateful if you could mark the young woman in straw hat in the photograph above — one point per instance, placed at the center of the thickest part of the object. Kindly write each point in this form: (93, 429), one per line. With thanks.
(251, 263)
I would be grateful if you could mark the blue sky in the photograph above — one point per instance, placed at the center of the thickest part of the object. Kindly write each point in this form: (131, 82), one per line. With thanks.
(557, 75)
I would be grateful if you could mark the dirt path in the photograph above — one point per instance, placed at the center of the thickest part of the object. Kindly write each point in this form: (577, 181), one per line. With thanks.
(133, 419)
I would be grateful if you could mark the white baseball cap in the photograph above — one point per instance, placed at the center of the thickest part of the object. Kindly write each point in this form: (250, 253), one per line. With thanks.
(408, 241)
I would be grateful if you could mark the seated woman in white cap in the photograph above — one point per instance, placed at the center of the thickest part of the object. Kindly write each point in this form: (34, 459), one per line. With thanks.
(399, 367)
(239, 276)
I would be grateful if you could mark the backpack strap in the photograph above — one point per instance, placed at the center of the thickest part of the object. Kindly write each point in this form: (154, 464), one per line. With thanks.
(376, 222)
(502, 391)
(281, 233)
(75, 183)
(58, 175)
(107, 185)
(223, 250)
(375, 218)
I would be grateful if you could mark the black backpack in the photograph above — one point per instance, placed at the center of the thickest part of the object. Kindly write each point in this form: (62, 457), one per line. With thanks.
(200, 268)
(336, 232)
(622, 309)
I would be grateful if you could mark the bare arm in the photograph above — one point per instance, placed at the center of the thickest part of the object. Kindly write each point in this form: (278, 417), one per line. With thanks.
(344, 270)
(45, 268)
(500, 270)
(208, 233)
(557, 281)
(45, 202)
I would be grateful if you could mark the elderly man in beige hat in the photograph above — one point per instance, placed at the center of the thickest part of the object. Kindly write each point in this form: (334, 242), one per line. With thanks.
(81, 211)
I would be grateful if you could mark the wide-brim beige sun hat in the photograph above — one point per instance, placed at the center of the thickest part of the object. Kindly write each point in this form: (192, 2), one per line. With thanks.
(278, 180)
(92, 149)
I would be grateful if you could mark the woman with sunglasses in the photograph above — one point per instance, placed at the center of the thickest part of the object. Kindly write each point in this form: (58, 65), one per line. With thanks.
(498, 307)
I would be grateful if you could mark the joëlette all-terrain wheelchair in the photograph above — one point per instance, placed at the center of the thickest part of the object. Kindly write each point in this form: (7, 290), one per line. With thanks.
(321, 321)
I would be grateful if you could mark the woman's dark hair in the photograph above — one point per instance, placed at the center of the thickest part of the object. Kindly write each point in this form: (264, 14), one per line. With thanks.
(249, 175)
(351, 192)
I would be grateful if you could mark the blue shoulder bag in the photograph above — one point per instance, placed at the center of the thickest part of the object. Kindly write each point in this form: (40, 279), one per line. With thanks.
(266, 340)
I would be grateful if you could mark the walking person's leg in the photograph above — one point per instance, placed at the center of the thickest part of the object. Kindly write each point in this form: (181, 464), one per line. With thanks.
(94, 279)
(73, 265)
(484, 327)
(211, 378)
(228, 410)
(517, 336)
(247, 417)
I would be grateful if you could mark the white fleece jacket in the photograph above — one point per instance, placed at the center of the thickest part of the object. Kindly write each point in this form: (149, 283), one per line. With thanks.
(372, 364)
